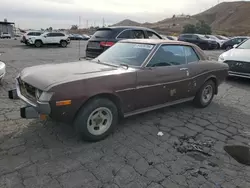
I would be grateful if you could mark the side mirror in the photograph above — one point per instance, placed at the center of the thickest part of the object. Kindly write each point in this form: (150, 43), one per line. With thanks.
(45, 36)
(234, 46)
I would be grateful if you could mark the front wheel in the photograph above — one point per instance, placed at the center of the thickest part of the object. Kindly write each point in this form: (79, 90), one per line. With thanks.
(63, 44)
(205, 95)
(38, 43)
(96, 120)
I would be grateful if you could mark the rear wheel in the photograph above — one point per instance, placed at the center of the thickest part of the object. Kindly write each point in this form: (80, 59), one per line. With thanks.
(63, 43)
(38, 43)
(96, 120)
(205, 95)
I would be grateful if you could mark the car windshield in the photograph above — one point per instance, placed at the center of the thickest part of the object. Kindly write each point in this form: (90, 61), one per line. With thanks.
(244, 45)
(131, 54)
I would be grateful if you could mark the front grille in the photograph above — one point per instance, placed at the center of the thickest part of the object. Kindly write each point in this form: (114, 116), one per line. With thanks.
(238, 66)
(27, 90)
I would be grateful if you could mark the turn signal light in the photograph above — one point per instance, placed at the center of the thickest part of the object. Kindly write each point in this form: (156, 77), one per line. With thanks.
(63, 103)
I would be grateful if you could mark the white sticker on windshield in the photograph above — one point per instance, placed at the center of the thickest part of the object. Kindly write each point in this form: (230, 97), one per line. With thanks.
(144, 46)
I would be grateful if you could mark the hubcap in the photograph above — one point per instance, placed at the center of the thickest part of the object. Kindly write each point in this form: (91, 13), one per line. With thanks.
(207, 93)
(99, 121)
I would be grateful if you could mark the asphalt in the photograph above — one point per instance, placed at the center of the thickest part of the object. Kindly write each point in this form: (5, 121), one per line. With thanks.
(188, 153)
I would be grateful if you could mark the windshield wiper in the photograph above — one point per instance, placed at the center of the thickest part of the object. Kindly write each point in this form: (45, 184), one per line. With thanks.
(105, 63)
(124, 65)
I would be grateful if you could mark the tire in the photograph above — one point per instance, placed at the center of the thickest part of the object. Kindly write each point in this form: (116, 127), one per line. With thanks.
(84, 125)
(199, 100)
(63, 44)
(38, 43)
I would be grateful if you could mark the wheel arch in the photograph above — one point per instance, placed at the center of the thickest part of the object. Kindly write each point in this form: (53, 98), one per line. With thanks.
(110, 96)
(38, 40)
(214, 79)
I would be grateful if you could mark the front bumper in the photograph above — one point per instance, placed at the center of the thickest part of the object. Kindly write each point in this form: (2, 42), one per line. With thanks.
(32, 109)
(239, 74)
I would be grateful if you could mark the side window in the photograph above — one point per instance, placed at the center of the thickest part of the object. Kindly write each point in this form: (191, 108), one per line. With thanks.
(191, 54)
(124, 35)
(50, 35)
(168, 55)
(31, 33)
(138, 34)
(152, 35)
(59, 34)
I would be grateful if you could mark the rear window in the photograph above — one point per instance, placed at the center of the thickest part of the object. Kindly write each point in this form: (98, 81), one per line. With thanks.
(102, 33)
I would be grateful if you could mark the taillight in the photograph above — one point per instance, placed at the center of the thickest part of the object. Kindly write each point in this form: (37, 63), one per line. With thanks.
(106, 44)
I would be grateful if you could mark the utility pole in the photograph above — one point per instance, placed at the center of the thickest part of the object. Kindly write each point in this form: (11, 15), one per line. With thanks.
(103, 22)
(79, 44)
(87, 24)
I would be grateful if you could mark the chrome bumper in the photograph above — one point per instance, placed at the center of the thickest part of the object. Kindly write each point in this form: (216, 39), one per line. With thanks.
(31, 110)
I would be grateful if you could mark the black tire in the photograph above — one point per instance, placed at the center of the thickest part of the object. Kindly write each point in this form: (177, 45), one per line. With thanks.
(38, 43)
(198, 100)
(63, 43)
(82, 118)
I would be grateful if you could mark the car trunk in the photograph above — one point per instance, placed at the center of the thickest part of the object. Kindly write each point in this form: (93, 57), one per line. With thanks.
(100, 41)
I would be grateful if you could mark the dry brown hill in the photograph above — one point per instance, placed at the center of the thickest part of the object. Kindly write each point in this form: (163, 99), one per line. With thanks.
(127, 22)
(231, 18)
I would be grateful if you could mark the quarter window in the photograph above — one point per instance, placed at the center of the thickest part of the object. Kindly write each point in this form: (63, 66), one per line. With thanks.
(152, 35)
(124, 35)
(190, 54)
(138, 34)
(168, 55)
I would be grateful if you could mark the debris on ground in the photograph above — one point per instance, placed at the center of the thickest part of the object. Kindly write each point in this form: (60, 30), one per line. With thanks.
(190, 144)
(160, 133)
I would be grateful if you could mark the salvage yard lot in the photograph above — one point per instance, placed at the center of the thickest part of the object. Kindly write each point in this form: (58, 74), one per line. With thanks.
(48, 154)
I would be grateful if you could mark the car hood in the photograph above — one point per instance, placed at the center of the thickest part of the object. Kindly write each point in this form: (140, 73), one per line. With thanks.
(236, 54)
(48, 75)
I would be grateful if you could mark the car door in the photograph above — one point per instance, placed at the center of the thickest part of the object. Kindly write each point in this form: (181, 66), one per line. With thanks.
(164, 79)
(49, 38)
(197, 70)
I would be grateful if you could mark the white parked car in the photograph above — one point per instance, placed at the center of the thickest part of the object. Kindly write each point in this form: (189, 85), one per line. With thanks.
(5, 35)
(2, 70)
(49, 38)
(219, 41)
(238, 59)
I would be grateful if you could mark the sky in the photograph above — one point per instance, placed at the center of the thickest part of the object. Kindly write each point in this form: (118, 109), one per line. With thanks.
(36, 14)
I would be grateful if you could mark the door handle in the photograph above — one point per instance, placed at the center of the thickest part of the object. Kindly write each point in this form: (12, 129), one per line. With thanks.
(183, 69)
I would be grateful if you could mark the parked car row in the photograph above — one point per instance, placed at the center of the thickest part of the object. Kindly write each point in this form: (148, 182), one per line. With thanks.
(206, 42)
(78, 37)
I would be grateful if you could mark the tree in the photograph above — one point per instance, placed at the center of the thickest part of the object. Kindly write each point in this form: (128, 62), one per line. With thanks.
(50, 28)
(189, 28)
(203, 28)
(200, 28)
(74, 27)
(173, 16)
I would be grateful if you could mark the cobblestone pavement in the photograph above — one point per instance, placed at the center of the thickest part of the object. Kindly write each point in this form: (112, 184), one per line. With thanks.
(45, 154)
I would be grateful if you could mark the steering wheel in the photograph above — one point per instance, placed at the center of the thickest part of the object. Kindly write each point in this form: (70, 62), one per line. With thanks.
(161, 64)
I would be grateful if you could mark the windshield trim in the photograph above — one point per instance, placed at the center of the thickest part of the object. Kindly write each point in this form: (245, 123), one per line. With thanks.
(130, 66)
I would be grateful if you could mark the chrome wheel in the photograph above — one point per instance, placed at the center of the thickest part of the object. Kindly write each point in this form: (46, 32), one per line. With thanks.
(207, 94)
(99, 121)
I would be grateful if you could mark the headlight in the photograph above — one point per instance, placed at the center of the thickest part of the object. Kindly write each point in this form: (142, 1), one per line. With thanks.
(221, 58)
(45, 96)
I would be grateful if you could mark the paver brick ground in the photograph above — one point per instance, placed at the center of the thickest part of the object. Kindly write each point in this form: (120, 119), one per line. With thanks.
(48, 154)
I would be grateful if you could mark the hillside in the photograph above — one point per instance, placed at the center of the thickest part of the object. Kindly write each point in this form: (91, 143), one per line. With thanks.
(231, 18)
(127, 22)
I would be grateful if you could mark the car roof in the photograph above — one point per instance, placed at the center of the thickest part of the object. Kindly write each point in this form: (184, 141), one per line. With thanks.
(155, 41)
(127, 27)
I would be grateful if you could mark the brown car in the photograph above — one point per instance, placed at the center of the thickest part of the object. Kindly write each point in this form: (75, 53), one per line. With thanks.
(131, 77)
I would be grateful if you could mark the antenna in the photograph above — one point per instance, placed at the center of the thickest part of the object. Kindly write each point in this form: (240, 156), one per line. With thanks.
(79, 43)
